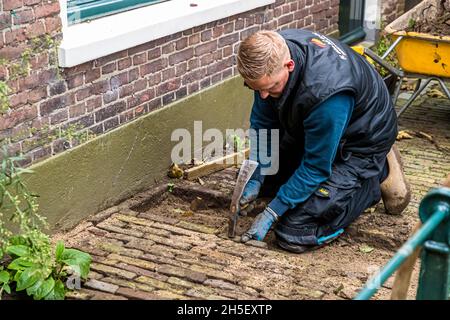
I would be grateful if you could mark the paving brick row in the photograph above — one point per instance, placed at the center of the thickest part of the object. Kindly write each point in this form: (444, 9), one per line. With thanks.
(197, 227)
(144, 264)
(118, 248)
(157, 218)
(105, 269)
(141, 272)
(99, 217)
(194, 274)
(112, 228)
(163, 260)
(133, 220)
(171, 242)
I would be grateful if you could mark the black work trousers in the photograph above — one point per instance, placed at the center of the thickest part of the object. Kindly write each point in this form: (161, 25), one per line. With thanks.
(354, 185)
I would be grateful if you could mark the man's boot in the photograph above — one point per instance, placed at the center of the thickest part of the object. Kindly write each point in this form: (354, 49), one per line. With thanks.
(395, 190)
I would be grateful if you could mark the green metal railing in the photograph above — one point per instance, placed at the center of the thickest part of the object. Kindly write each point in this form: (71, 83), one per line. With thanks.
(434, 235)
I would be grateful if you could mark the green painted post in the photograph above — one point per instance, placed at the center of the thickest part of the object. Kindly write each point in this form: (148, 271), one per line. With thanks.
(434, 212)
(434, 277)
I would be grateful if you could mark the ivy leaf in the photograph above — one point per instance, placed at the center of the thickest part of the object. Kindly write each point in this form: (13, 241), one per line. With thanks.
(18, 250)
(4, 276)
(57, 293)
(77, 260)
(28, 278)
(59, 250)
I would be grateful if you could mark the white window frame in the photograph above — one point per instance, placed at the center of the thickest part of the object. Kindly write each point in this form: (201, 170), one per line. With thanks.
(100, 37)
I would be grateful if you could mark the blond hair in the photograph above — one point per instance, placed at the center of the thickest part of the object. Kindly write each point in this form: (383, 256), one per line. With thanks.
(262, 53)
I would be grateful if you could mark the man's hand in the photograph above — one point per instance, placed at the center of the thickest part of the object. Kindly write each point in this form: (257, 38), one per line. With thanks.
(250, 192)
(260, 226)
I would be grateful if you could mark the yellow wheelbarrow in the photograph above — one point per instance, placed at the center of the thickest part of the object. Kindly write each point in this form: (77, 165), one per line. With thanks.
(420, 55)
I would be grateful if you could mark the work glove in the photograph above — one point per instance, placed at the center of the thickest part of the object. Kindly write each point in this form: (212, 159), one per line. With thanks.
(260, 226)
(251, 190)
(264, 220)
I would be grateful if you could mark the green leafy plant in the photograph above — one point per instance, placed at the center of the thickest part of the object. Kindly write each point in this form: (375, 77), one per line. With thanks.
(380, 48)
(29, 261)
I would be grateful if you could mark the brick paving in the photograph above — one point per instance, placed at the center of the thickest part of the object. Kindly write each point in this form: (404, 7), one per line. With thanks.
(158, 246)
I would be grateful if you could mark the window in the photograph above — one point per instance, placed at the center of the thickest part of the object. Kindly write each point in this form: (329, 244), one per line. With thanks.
(84, 42)
(351, 19)
(82, 10)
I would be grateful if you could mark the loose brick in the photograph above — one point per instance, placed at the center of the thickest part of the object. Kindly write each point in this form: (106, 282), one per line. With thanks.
(102, 286)
(112, 271)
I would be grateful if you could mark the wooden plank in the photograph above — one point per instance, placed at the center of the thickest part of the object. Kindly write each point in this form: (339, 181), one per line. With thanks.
(216, 165)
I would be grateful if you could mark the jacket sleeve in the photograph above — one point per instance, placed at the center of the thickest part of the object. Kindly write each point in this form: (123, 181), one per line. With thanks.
(323, 128)
(263, 116)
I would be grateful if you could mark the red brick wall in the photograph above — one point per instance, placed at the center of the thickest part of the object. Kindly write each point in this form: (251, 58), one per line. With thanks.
(391, 10)
(105, 93)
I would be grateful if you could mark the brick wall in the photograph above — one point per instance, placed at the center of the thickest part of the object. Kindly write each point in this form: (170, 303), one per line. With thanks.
(54, 109)
(391, 10)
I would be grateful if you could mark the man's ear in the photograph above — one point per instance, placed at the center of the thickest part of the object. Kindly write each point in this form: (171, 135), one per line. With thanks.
(290, 65)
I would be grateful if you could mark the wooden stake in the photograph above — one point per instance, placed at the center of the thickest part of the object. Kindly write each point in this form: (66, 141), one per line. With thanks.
(216, 165)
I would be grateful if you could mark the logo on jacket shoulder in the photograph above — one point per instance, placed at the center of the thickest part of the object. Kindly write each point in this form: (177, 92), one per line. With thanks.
(322, 41)
(318, 42)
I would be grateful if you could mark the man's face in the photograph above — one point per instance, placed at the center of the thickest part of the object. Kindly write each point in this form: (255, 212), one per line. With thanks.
(274, 84)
